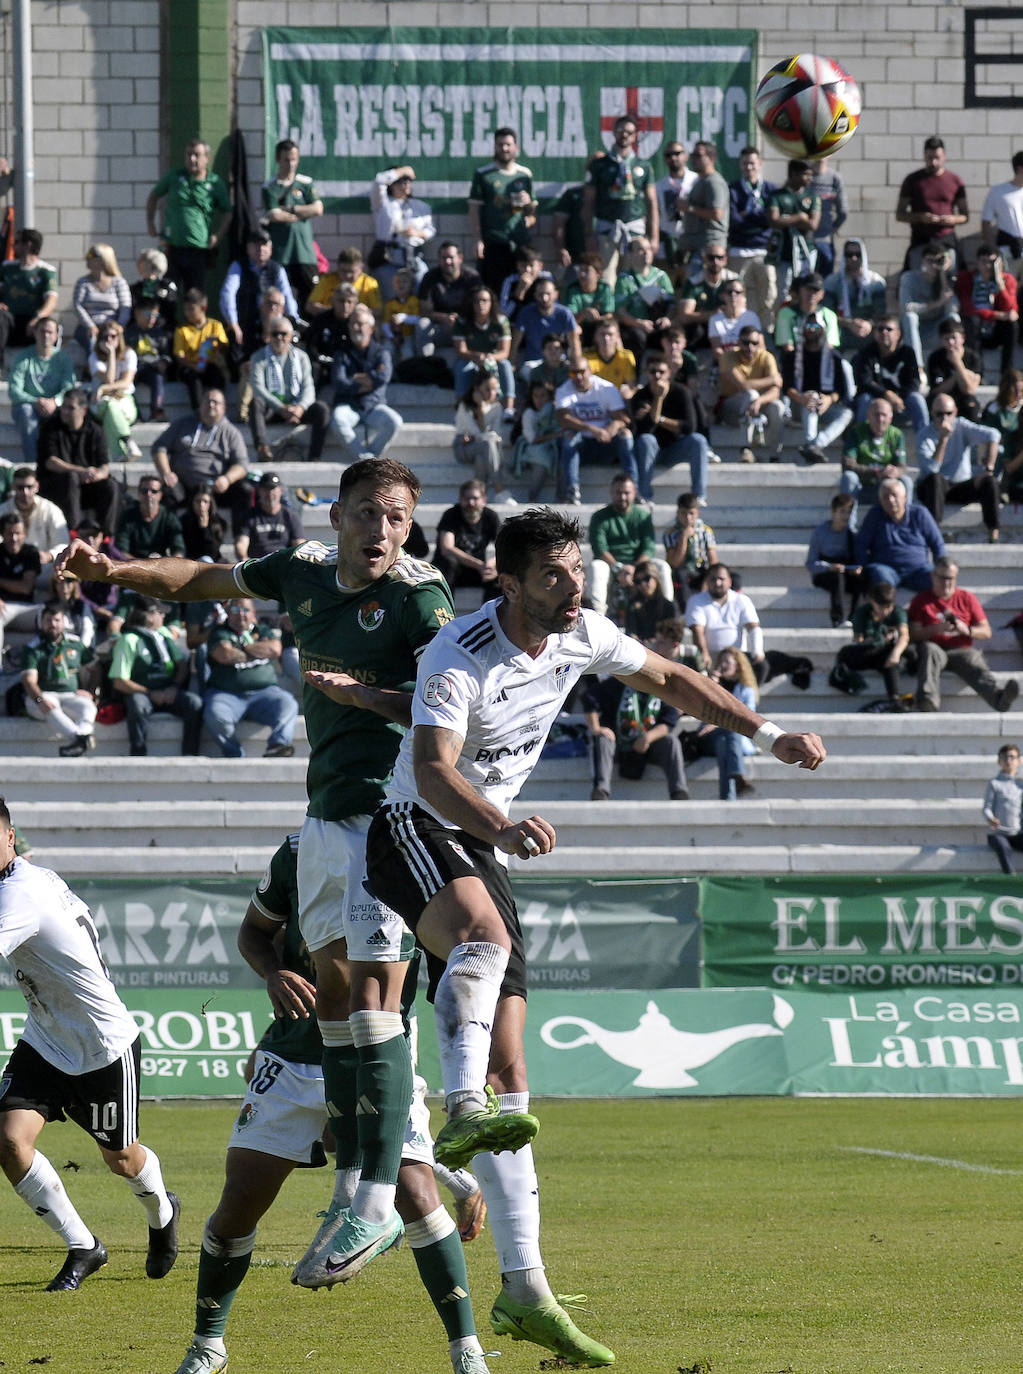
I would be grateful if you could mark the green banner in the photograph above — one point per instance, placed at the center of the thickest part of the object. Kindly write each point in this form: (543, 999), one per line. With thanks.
(357, 100)
(854, 933)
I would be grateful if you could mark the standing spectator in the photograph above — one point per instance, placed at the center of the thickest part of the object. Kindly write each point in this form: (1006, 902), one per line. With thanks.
(733, 671)
(955, 369)
(886, 368)
(74, 464)
(987, 304)
(101, 295)
(362, 369)
(621, 535)
(19, 573)
(51, 677)
(482, 339)
(880, 639)
(664, 425)
(927, 298)
(147, 529)
(750, 389)
(478, 420)
(619, 200)
(197, 212)
(535, 322)
(283, 391)
(155, 286)
(794, 214)
(202, 529)
(112, 369)
(151, 341)
(149, 670)
(855, 293)
(872, 451)
(897, 541)
(831, 559)
(828, 187)
(1002, 805)
(749, 235)
(291, 203)
(200, 348)
(404, 226)
(644, 296)
(594, 423)
(1001, 220)
(41, 376)
(932, 201)
(689, 548)
(350, 269)
(271, 525)
(205, 447)
(45, 526)
(502, 210)
(242, 293)
(945, 623)
(242, 684)
(443, 298)
(636, 728)
(465, 541)
(947, 471)
(673, 188)
(705, 209)
(569, 231)
(28, 291)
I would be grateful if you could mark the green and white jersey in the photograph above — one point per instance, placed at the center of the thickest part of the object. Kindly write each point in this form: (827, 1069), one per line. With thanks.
(376, 635)
(276, 898)
(57, 664)
(504, 195)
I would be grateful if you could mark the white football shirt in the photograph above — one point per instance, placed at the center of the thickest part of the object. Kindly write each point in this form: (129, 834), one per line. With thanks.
(76, 1020)
(472, 679)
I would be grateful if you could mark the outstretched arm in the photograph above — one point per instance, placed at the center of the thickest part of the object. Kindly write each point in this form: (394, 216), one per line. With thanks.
(175, 579)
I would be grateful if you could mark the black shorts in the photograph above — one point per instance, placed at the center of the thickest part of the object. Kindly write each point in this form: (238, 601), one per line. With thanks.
(410, 857)
(105, 1102)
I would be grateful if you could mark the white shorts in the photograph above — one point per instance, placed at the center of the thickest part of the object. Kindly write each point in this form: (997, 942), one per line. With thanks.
(284, 1113)
(333, 904)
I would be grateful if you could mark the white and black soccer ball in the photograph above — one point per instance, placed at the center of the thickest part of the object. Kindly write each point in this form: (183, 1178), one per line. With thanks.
(807, 106)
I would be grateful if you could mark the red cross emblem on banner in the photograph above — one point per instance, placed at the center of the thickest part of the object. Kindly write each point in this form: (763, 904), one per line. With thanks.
(646, 106)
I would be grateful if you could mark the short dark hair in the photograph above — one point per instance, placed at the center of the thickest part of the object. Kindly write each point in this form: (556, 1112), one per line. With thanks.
(798, 165)
(383, 470)
(195, 296)
(540, 530)
(673, 627)
(933, 142)
(24, 472)
(882, 594)
(505, 132)
(688, 501)
(285, 146)
(31, 238)
(842, 500)
(593, 260)
(5, 815)
(1017, 161)
(53, 608)
(12, 517)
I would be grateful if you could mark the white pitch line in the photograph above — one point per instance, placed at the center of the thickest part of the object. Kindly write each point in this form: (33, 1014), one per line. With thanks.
(929, 1159)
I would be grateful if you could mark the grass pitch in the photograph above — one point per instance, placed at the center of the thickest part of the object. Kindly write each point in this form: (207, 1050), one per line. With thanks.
(721, 1236)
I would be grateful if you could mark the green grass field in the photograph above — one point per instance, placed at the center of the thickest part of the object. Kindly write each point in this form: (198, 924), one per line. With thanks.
(723, 1236)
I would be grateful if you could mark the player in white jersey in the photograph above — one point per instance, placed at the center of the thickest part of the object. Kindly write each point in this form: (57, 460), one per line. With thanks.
(487, 691)
(78, 1058)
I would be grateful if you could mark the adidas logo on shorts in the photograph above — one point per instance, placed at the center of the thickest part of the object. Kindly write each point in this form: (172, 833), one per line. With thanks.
(378, 940)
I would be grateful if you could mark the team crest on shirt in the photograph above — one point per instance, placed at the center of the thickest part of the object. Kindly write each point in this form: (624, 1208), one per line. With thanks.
(453, 844)
(264, 882)
(561, 676)
(436, 690)
(371, 616)
(245, 1117)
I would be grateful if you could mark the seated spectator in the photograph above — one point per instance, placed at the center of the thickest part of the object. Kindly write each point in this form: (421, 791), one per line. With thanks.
(750, 394)
(403, 225)
(154, 287)
(39, 380)
(200, 349)
(242, 684)
(545, 316)
(73, 466)
(595, 424)
(517, 287)
(202, 529)
(855, 293)
(621, 535)
(19, 573)
(45, 527)
(79, 616)
(1005, 413)
(52, 677)
(927, 298)
(283, 392)
(151, 341)
(270, 525)
(290, 203)
(112, 369)
(664, 424)
(815, 384)
(700, 297)
(101, 295)
(644, 297)
(871, 451)
(609, 359)
(1002, 804)
(590, 298)
(730, 319)
(443, 298)
(401, 314)
(149, 670)
(535, 455)
(955, 370)
(898, 542)
(552, 366)
(733, 671)
(28, 291)
(948, 474)
(205, 447)
(242, 292)
(685, 368)
(349, 269)
(689, 548)
(465, 541)
(328, 332)
(478, 441)
(482, 340)
(887, 367)
(749, 235)
(361, 372)
(794, 214)
(944, 623)
(647, 605)
(100, 598)
(722, 617)
(636, 728)
(880, 639)
(830, 559)
(987, 305)
(147, 529)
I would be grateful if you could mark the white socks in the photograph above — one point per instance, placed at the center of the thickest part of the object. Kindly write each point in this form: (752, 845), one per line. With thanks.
(464, 1005)
(148, 1187)
(42, 1189)
(512, 1195)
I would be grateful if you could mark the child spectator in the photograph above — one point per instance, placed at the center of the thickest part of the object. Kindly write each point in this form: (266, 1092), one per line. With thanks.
(689, 548)
(1002, 808)
(200, 349)
(880, 639)
(535, 454)
(155, 286)
(401, 312)
(149, 337)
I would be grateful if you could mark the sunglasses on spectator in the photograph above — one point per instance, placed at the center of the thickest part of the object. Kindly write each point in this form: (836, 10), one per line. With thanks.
(733, 291)
(853, 256)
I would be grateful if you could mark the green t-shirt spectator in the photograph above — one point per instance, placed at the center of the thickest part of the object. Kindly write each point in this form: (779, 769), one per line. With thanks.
(863, 448)
(626, 535)
(148, 657)
(24, 289)
(193, 206)
(504, 196)
(58, 663)
(875, 632)
(248, 676)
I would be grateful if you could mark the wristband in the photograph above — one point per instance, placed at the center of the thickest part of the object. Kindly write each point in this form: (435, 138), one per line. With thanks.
(767, 735)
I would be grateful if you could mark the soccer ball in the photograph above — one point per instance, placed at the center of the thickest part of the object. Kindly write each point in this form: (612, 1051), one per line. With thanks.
(808, 106)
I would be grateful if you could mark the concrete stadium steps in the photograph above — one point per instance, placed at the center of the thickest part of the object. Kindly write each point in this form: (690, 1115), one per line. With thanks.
(21, 737)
